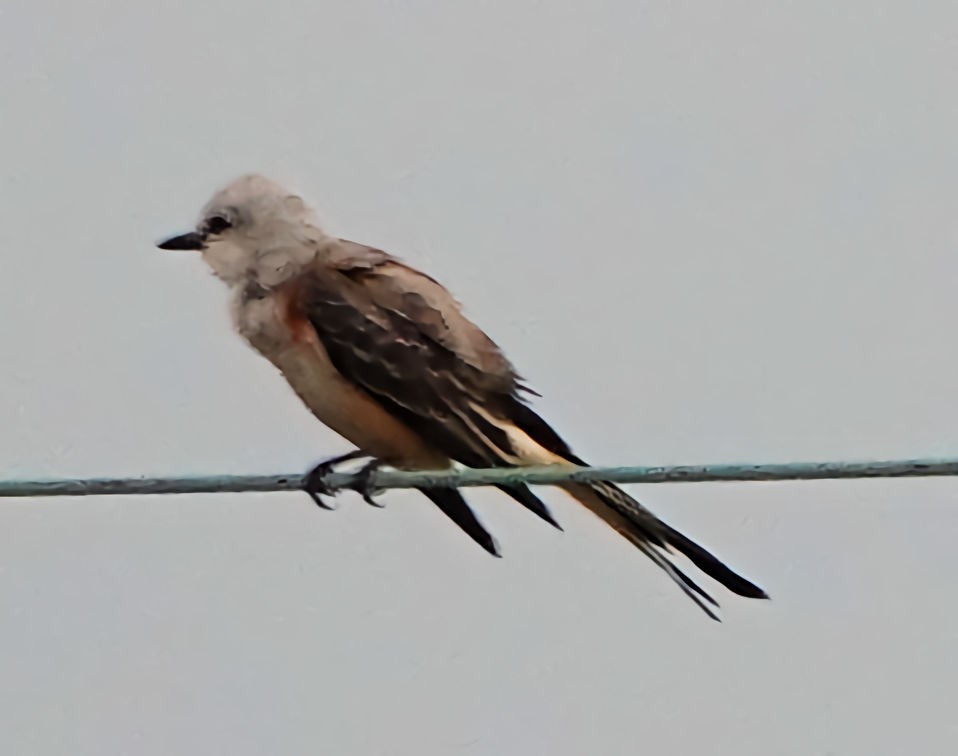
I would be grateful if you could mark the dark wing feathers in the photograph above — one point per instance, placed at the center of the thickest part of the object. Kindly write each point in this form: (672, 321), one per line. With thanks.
(412, 375)
(402, 337)
(450, 501)
(398, 347)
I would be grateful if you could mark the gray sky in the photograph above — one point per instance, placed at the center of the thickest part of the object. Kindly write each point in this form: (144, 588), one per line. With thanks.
(704, 232)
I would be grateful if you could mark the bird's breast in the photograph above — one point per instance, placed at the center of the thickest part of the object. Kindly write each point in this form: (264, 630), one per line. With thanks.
(260, 321)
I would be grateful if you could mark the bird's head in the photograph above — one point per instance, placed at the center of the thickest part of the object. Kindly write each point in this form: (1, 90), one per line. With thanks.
(249, 226)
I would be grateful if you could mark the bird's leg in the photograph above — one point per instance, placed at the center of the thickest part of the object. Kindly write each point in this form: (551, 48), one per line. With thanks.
(363, 485)
(314, 482)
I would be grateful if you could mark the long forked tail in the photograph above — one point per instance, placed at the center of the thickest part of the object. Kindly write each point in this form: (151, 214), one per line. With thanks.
(656, 539)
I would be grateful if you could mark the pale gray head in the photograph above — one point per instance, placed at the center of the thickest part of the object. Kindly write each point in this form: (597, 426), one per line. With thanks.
(253, 228)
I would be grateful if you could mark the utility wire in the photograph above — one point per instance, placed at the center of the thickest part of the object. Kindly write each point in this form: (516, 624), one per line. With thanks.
(550, 475)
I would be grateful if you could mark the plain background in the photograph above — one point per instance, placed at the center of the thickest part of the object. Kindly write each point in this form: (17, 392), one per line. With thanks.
(705, 232)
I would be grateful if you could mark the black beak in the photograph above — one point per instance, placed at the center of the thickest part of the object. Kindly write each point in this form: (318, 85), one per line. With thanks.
(192, 241)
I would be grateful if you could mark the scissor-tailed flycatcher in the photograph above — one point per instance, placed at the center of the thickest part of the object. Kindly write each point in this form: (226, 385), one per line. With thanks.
(382, 354)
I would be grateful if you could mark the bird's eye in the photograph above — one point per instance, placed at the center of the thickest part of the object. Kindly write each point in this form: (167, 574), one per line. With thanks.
(217, 224)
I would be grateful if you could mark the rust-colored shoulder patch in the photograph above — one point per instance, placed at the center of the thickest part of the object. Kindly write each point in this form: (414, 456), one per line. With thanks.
(293, 315)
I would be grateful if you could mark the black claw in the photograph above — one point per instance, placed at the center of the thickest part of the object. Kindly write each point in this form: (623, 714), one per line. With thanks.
(315, 487)
(314, 482)
(318, 501)
(370, 500)
(363, 485)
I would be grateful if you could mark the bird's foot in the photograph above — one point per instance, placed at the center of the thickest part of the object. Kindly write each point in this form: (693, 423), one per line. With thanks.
(314, 482)
(363, 485)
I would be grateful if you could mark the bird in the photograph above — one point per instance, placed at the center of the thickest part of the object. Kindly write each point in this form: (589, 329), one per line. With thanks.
(382, 354)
